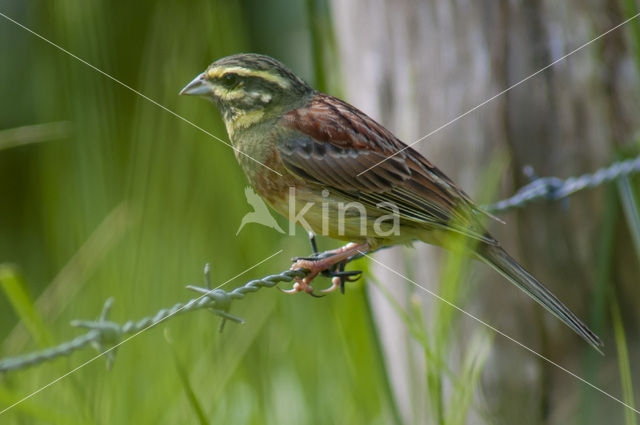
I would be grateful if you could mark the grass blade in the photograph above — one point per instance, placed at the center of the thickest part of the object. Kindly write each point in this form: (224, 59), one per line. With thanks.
(15, 289)
(186, 385)
(467, 383)
(631, 210)
(36, 133)
(623, 362)
(592, 361)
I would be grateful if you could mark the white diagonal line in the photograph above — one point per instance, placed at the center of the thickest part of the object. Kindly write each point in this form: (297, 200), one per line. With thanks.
(130, 337)
(134, 90)
(502, 92)
(531, 350)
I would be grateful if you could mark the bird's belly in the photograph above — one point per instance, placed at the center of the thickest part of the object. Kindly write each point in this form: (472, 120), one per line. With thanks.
(338, 217)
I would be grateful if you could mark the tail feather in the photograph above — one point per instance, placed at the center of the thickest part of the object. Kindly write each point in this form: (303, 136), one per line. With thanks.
(497, 258)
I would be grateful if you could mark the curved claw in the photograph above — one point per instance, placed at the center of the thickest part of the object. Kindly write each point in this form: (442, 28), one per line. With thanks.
(329, 264)
(335, 284)
(295, 288)
(301, 286)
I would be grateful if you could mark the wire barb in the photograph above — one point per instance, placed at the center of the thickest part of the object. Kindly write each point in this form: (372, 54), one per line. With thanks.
(108, 333)
(554, 188)
(103, 334)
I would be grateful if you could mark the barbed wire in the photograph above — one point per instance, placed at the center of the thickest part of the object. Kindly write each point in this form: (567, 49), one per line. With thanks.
(554, 188)
(104, 333)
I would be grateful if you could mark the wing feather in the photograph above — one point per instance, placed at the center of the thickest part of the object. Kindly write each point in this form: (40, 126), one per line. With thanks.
(330, 142)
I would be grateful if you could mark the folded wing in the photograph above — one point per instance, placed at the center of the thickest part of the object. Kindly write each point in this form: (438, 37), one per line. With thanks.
(337, 146)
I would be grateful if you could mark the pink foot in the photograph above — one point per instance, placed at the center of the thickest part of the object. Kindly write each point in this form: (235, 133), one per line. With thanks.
(316, 267)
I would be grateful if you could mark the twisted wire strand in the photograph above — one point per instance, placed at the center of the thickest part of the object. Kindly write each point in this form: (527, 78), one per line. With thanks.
(553, 188)
(104, 333)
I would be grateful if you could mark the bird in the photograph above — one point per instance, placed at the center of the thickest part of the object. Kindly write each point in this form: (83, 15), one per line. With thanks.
(260, 213)
(321, 161)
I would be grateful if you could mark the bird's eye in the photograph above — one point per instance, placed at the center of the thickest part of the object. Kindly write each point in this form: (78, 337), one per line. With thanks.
(230, 80)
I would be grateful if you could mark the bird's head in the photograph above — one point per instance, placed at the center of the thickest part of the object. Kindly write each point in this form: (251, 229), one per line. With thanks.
(249, 88)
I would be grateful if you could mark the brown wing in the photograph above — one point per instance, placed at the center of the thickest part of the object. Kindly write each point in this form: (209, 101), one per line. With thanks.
(330, 142)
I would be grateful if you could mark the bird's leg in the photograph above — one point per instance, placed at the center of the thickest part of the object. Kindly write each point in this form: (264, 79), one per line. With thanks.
(339, 276)
(343, 278)
(312, 240)
(324, 262)
(314, 248)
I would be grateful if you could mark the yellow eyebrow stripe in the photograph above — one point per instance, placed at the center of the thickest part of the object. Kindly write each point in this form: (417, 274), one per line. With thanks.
(219, 72)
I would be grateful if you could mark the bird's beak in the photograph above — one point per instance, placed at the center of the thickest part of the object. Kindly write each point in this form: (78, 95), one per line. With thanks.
(198, 87)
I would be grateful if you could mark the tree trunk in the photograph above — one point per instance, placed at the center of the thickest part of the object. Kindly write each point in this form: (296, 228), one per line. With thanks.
(415, 66)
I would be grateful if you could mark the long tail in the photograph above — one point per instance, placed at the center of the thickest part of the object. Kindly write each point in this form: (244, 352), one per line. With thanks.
(497, 258)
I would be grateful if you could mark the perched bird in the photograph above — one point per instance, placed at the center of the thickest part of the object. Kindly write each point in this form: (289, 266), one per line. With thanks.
(309, 154)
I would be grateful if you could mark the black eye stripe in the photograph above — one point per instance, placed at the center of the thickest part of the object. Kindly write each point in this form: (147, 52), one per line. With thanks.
(229, 80)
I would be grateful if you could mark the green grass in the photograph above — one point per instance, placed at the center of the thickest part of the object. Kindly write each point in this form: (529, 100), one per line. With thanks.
(629, 198)
(104, 195)
(131, 203)
(624, 364)
(452, 369)
(15, 290)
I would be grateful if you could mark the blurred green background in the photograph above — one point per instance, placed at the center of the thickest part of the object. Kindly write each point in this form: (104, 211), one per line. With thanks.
(122, 199)
(103, 193)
